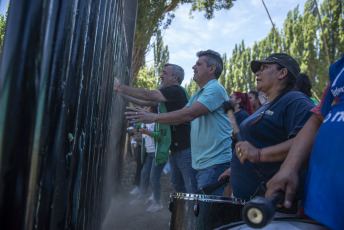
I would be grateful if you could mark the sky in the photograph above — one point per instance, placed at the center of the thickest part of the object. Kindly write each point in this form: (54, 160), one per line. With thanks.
(247, 21)
(3, 6)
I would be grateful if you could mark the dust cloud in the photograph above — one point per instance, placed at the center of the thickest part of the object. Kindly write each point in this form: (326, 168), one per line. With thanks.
(122, 216)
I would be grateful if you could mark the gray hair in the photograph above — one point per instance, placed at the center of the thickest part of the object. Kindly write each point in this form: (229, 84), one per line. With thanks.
(212, 58)
(176, 71)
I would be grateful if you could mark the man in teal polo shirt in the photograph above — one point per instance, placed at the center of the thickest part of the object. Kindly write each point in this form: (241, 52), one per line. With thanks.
(210, 127)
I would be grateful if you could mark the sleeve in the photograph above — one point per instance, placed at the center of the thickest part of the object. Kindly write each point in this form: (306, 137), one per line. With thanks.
(241, 117)
(171, 93)
(296, 115)
(317, 108)
(212, 97)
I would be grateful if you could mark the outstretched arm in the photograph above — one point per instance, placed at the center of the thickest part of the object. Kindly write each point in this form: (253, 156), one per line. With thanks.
(138, 101)
(138, 93)
(287, 179)
(185, 114)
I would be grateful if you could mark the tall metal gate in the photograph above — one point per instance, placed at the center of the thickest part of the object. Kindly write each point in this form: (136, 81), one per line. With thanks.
(61, 124)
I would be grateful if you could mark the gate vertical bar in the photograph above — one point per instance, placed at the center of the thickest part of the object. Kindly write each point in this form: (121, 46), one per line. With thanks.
(61, 125)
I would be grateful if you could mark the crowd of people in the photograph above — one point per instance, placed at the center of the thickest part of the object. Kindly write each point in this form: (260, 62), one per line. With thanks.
(282, 129)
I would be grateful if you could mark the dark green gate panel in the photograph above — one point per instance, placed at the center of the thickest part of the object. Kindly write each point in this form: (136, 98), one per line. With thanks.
(61, 124)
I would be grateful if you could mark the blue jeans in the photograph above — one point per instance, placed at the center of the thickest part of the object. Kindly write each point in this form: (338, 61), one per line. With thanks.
(151, 172)
(211, 175)
(183, 176)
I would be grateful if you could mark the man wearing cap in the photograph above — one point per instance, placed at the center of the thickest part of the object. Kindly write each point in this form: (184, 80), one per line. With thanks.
(268, 133)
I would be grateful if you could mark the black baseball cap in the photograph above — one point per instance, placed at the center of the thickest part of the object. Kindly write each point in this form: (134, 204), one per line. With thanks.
(283, 59)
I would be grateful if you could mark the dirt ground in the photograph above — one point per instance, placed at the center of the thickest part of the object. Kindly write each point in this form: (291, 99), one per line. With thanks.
(122, 216)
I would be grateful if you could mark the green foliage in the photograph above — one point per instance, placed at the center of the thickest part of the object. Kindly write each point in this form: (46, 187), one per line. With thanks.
(222, 78)
(209, 6)
(148, 77)
(301, 37)
(161, 54)
(2, 30)
(156, 14)
(191, 88)
(239, 78)
(309, 61)
(3, 20)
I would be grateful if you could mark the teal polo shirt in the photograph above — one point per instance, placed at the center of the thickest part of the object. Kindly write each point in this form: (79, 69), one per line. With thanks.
(211, 133)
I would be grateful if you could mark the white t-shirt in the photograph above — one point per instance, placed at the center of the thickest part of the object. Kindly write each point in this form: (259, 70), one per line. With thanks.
(149, 141)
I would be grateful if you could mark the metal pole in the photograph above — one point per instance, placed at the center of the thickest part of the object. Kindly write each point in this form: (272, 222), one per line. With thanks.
(273, 25)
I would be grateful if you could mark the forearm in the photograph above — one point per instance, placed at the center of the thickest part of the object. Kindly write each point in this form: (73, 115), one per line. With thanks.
(276, 152)
(137, 101)
(141, 94)
(176, 117)
(300, 151)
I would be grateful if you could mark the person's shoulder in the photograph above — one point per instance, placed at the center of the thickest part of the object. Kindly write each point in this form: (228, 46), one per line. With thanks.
(297, 98)
(243, 112)
(172, 88)
(175, 93)
(215, 91)
(295, 95)
(215, 85)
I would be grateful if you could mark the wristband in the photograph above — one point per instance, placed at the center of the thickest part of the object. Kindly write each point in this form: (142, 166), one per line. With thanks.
(258, 155)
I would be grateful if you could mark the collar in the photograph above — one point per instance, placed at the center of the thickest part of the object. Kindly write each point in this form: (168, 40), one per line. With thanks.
(209, 83)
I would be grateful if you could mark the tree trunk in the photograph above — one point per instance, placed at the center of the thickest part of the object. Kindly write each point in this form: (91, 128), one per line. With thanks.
(138, 60)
